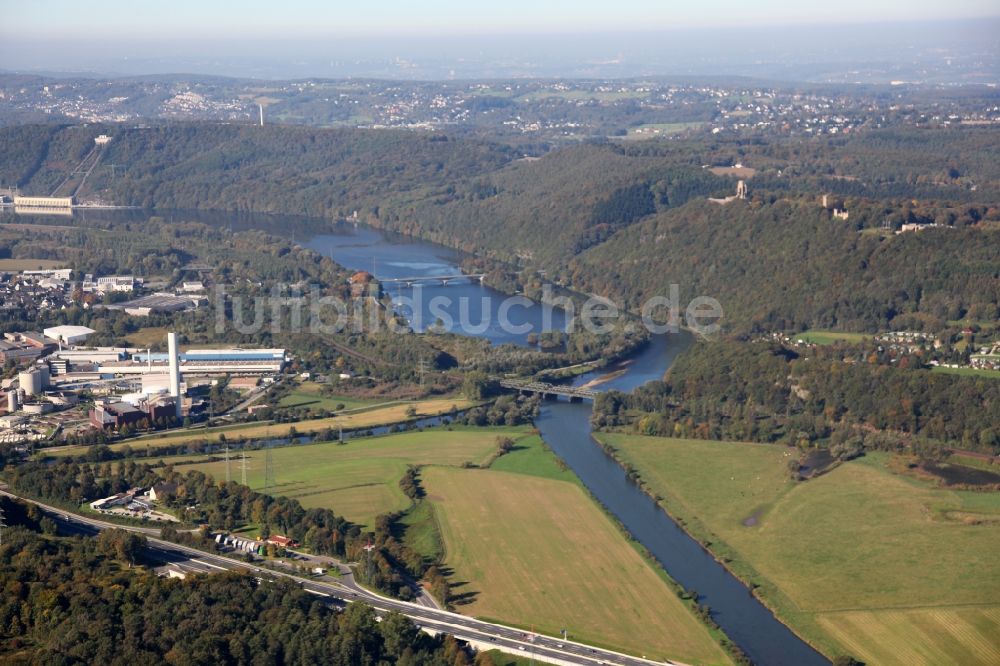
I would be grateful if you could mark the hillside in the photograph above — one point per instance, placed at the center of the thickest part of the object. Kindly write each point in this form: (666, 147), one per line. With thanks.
(787, 265)
(625, 220)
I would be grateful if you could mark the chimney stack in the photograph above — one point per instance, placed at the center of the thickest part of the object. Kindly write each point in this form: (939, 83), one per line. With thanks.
(175, 372)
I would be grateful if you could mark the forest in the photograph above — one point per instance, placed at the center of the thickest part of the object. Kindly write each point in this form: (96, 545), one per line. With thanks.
(763, 392)
(80, 601)
(786, 265)
(621, 219)
(222, 506)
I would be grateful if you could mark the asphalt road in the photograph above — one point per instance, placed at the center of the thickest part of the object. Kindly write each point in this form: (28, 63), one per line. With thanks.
(496, 636)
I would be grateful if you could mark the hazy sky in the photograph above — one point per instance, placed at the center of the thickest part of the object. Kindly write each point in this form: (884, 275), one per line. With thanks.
(258, 18)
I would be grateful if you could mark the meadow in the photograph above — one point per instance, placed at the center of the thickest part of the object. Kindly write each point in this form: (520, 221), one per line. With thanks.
(148, 337)
(968, 372)
(310, 394)
(17, 265)
(653, 130)
(390, 414)
(861, 560)
(521, 540)
(526, 545)
(360, 478)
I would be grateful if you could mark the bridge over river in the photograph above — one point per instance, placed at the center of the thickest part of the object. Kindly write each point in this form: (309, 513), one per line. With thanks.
(443, 279)
(546, 389)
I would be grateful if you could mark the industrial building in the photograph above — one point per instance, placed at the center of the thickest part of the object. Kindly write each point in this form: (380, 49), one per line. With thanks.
(19, 352)
(70, 335)
(159, 302)
(203, 362)
(44, 202)
(109, 283)
(117, 414)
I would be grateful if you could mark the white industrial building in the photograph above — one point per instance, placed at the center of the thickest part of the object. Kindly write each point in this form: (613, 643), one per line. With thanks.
(44, 202)
(202, 361)
(70, 335)
(110, 283)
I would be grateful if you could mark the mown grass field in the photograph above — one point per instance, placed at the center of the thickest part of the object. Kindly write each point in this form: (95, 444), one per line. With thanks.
(148, 336)
(829, 337)
(360, 478)
(653, 130)
(532, 548)
(859, 553)
(967, 372)
(310, 394)
(29, 264)
(395, 413)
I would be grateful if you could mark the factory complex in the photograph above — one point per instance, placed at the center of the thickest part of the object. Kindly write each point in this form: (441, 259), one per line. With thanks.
(128, 387)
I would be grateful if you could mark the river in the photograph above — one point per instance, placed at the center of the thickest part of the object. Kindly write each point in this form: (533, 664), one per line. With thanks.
(564, 426)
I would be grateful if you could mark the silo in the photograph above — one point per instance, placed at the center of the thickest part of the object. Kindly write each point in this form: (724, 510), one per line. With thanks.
(30, 382)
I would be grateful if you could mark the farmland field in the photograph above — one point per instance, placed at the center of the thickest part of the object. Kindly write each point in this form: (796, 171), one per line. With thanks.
(859, 545)
(29, 264)
(394, 413)
(359, 479)
(537, 551)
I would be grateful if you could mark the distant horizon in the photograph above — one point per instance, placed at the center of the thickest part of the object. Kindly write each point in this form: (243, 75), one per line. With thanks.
(789, 52)
(305, 19)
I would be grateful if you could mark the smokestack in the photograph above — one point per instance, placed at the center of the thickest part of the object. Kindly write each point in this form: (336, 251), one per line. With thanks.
(175, 372)
(261, 107)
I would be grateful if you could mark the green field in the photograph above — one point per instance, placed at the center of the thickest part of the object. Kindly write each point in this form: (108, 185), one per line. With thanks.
(847, 559)
(148, 336)
(393, 413)
(829, 337)
(310, 394)
(359, 479)
(528, 546)
(582, 95)
(655, 130)
(17, 265)
(967, 372)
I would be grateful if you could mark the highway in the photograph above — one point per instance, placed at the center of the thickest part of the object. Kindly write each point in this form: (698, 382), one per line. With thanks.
(481, 634)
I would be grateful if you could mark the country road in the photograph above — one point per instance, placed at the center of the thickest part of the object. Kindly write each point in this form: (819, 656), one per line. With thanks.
(485, 635)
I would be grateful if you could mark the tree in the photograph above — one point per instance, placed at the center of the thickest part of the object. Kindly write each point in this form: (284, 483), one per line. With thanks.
(121, 545)
(398, 633)
(478, 386)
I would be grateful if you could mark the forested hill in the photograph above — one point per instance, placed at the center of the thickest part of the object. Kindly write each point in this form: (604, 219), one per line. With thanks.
(623, 219)
(268, 169)
(788, 265)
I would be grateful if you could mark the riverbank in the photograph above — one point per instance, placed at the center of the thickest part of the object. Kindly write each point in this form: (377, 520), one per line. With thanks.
(841, 600)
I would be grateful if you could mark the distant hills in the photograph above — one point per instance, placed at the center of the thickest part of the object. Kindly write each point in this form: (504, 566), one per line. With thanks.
(623, 220)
